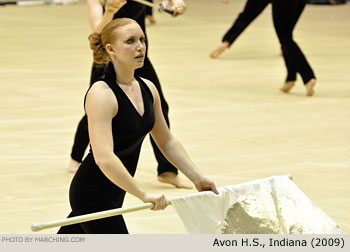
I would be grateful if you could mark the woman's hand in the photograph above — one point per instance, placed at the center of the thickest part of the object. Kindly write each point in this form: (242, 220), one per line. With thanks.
(205, 184)
(178, 6)
(160, 202)
(113, 6)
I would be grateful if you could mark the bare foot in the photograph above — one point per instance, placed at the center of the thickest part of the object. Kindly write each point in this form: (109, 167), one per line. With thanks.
(151, 19)
(173, 179)
(287, 86)
(214, 54)
(310, 87)
(73, 166)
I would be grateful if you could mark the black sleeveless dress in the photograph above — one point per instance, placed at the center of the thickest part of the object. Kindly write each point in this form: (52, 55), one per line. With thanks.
(91, 191)
(137, 12)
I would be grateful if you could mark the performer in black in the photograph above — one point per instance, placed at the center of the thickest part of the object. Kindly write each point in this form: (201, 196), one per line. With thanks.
(149, 13)
(285, 15)
(122, 108)
(251, 10)
(101, 13)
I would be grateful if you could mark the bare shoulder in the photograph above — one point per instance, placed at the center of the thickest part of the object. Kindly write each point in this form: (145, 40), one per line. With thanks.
(151, 86)
(100, 88)
(100, 2)
(101, 96)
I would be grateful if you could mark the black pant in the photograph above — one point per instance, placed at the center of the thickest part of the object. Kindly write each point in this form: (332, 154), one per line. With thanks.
(252, 9)
(149, 10)
(81, 139)
(88, 197)
(285, 15)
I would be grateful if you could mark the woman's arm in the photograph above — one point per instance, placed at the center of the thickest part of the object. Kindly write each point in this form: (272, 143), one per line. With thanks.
(173, 149)
(101, 106)
(98, 20)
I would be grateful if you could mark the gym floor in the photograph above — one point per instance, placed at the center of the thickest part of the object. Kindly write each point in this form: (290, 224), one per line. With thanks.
(228, 112)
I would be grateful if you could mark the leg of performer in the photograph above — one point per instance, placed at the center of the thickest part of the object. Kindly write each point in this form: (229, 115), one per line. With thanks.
(291, 74)
(81, 138)
(285, 15)
(149, 13)
(167, 173)
(71, 229)
(110, 225)
(291, 70)
(252, 9)
(87, 195)
(81, 141)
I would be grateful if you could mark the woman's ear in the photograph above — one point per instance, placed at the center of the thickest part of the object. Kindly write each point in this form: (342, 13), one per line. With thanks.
(110, 49)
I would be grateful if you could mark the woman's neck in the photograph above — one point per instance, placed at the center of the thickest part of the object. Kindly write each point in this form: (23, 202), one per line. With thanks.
(125, 75)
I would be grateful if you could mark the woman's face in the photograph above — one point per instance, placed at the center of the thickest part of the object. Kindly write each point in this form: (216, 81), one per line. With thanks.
(129, 49)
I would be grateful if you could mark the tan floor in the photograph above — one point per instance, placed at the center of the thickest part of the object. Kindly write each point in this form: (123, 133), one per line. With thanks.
(229, 114)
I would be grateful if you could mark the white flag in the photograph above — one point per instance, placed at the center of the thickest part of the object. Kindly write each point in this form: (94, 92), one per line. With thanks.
(265, 206)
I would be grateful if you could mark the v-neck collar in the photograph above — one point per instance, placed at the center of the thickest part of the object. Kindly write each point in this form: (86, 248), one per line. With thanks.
(130, 102)
(110, 76)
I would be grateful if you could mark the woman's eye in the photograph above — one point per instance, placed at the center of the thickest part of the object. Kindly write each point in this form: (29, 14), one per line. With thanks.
(130, 41)
(142, 40)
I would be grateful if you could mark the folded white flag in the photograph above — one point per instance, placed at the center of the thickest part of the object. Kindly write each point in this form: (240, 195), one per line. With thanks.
(265, 206)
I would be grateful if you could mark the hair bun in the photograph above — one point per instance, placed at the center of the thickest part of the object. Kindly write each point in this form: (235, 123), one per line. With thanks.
(99, 53)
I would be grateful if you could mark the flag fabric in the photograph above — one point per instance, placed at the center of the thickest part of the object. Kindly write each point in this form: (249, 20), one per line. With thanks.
(264, 206)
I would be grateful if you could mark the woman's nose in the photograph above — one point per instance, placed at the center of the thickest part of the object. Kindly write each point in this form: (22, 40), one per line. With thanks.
(140, 45)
